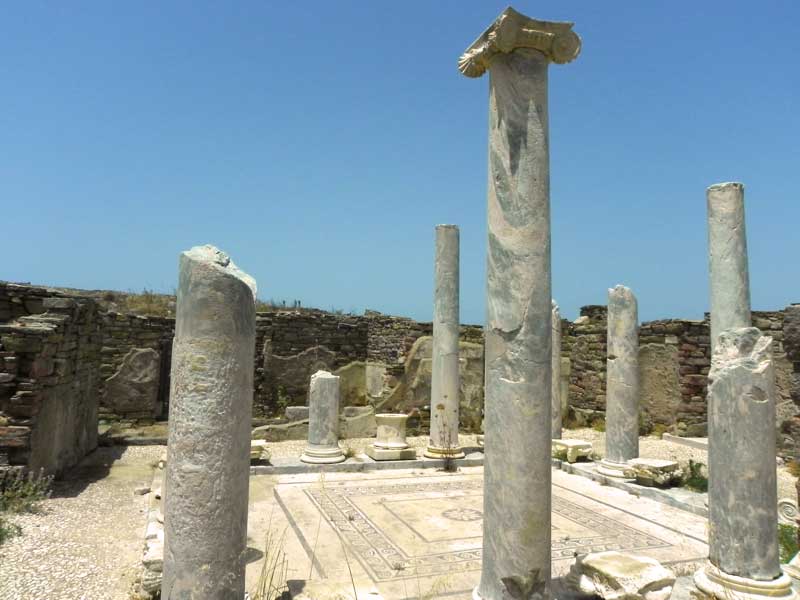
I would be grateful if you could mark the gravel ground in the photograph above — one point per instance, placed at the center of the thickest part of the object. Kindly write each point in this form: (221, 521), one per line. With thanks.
(86, 541)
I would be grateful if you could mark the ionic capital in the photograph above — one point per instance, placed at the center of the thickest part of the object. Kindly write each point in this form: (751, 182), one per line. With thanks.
(512, 30)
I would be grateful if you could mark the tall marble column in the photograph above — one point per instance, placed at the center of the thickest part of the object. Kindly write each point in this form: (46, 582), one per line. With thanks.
(555, 378)
(207, 476)
(727, 259)
(622, 383)
(445, 382)
(323, 420)
(566, 369)
(742, 485)
(517, 50)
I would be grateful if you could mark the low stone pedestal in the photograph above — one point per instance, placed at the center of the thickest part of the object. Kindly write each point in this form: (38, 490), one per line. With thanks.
(573, 449)
(390, 443)
(655, 472)
(618, 576)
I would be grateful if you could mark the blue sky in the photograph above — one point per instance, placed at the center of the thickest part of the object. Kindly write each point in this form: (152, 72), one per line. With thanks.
(319, 143)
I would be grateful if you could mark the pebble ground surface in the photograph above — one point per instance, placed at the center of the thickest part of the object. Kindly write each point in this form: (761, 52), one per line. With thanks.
(85, 543)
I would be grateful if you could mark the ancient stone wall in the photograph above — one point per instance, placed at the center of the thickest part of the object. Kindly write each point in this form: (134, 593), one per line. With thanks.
(49, 370)
(135, 363)
(675, 357)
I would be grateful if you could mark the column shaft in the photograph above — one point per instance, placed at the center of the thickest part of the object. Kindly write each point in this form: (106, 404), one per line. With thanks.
(727, 258)
(555, 389)
(207, 475)
(516, 528)
(445, 382)
(622, 382)
(323, 420)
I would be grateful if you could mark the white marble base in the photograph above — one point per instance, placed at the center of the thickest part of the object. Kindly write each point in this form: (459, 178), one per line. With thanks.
(434, 452)
(718, 584)
(575, 449)
(614, 469)
(323, 456)
(376, 453)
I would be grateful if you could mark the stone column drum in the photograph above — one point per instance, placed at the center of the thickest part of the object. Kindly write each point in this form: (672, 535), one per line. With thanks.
(207, 474)
(390, 441)
(742, 491)
(517, 50)
(622, 383)
(323, 420)
(445, 382)
(555, 385)
(727, 259)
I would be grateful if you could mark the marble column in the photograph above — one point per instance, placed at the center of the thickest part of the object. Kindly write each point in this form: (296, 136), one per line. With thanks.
(555, 378)
(727, 259)
(566, 369)
(208, 471)
(622, 383)
(517, 50)
(323, 420)
(445, 383)
(742, 486)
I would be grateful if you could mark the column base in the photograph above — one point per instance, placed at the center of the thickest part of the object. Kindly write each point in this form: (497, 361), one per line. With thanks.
(615, 469)
(793, 568)
(376, 453)
(723, 586)
(323, 456)
(436, 452)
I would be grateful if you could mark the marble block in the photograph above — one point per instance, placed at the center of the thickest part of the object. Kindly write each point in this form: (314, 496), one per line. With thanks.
(376, 453)
(655, 472)
(618, 576)
(259, 450)
(296, 413)
(574, 449)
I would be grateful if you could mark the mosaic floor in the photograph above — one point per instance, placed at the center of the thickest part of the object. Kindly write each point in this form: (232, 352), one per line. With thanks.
(411, 534)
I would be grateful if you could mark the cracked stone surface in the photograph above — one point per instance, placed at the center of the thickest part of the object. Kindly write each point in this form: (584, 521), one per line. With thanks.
(205, 511)
(727, 259)
(555, 378)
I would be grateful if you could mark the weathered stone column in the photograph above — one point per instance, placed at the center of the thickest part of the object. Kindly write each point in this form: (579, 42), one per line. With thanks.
(516, 528)
(622, 383)
(742, 491)
(555, 385)
(207, 476)
(566, 369)
(445, 382)
(323, 420)
(727, 259)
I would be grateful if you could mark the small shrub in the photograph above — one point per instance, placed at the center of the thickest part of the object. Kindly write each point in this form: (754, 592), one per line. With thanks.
(570, 421)
(20, 493)
(560, 454)
(787, 542)
(7, 530)
(695, 480)
(349, 451)
(599, 425)
(659, 429)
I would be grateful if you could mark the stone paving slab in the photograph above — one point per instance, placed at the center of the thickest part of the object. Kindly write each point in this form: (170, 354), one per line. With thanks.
(417, 533)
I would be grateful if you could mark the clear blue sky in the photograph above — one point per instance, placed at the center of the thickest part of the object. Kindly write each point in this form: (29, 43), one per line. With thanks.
(319, 143)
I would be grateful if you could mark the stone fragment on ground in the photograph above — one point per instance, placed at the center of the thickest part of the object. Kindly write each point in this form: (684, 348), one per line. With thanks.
(571, 450)
(656, 472)
(618, 576)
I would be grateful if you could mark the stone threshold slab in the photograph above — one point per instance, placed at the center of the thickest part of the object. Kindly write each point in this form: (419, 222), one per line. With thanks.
(361, 463)
(676, 497)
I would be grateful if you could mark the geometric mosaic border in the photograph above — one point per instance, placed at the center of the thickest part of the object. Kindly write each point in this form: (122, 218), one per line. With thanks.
(385, 561)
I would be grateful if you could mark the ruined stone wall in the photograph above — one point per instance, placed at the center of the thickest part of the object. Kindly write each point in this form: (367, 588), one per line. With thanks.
(674, 358)
(49, 369)
(135, 363)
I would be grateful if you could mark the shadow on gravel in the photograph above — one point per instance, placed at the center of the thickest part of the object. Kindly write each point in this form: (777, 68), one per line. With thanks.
(92, 468)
